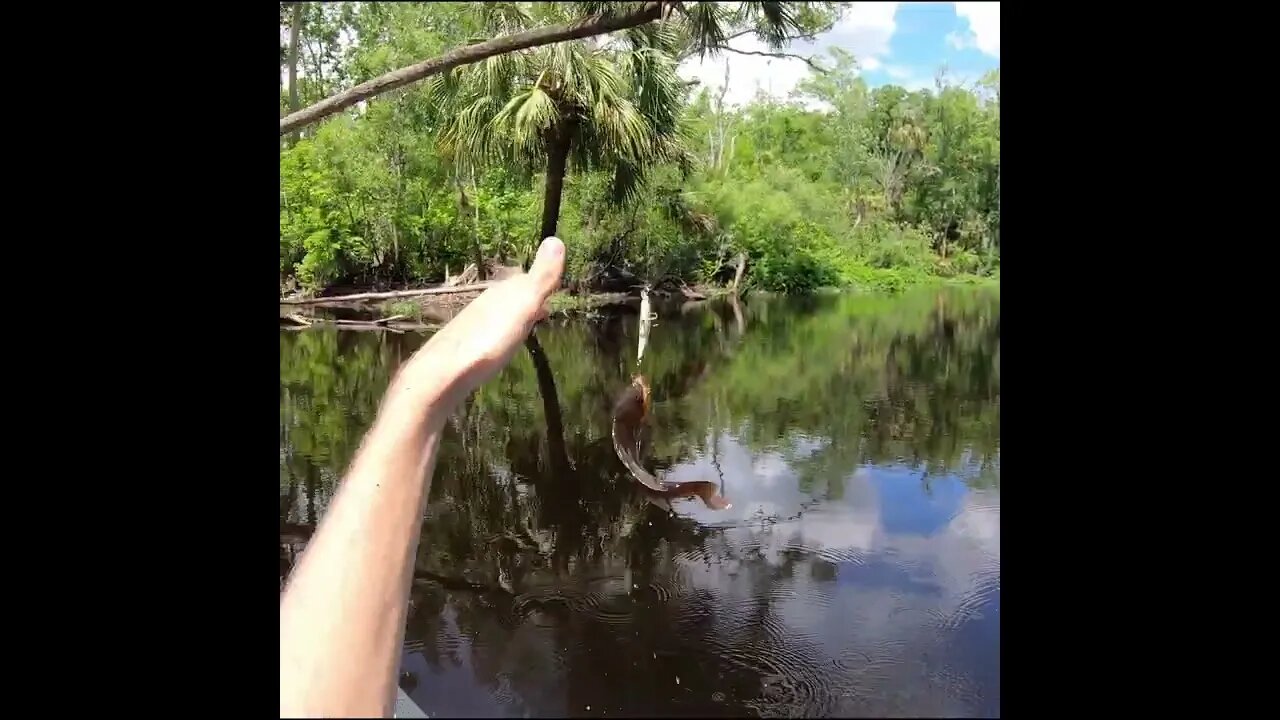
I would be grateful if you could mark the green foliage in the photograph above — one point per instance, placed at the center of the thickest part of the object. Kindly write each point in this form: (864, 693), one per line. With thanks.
(408, 308)
(843, 185)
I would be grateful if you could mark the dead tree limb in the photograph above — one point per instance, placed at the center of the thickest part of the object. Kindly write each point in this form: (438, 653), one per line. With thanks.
(301, 321)
(387, 295)
(468, 276)
(595, 25)
(380, 322)
(399, 328)
(811, 63)
(712, 49)
(737, 273)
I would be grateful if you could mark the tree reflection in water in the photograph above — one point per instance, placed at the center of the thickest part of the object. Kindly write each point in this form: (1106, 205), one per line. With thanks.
(857, 572)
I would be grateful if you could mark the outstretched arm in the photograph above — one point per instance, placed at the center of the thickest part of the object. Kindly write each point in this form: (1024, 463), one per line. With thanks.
(342, 615)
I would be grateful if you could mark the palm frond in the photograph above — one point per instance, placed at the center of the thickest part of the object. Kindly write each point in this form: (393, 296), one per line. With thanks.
(501, 18)
(624, 130)
(571, 67)
(777, 21)
(659, 91)
(602, 8)
(666, 37)
(494, 73)
(626, 184)
(620, 103)
(471, 130)
(439, 90)
(525, 118)
(607, 81)
(705, 23)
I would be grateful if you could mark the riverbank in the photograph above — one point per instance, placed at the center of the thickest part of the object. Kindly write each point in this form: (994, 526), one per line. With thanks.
(361, 308)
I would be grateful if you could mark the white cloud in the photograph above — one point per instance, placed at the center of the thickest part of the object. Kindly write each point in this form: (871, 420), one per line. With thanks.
(897, 597)
(747, 73)
(984, 26)
(897, 72)
(865, 30)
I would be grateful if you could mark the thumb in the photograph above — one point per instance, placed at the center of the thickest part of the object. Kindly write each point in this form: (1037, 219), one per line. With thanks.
(548, 266)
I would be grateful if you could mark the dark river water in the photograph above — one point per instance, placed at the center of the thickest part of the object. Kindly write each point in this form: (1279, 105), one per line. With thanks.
(856, 573)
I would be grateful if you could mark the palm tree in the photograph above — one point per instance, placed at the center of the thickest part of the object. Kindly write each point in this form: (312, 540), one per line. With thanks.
(575, 102)
(613, 104)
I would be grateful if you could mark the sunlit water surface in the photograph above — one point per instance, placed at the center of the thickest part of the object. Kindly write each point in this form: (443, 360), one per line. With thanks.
(856, 573)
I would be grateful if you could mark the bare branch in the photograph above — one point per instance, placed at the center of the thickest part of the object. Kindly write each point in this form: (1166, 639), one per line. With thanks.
(692, 50)
(811, 63)
(788, 38)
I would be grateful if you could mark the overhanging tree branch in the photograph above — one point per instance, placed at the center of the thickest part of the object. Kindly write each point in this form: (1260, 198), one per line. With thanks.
(594, 25)
(812, 64)
(694, 50)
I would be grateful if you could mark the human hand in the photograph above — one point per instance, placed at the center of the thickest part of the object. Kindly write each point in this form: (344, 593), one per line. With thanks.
(482, 339)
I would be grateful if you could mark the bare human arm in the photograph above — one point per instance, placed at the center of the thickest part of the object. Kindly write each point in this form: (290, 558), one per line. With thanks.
(342, 615)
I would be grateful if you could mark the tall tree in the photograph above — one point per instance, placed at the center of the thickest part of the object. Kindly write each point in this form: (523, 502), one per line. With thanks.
(295, 32)
(578, 102)
(613, 105)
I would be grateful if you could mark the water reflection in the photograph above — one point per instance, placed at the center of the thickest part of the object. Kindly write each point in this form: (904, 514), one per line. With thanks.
(858, 571)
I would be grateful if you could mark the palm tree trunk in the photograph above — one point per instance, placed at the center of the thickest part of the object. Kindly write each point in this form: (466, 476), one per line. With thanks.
(557, 159)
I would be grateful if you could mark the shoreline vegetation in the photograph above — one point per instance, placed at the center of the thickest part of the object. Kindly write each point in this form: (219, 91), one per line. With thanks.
(429, 312)
(648, 178)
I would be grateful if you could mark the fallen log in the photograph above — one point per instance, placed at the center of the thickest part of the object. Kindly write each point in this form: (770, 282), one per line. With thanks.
(398, 328)
(392, 323)
(382, 321)
(360, 297)
(415, 327)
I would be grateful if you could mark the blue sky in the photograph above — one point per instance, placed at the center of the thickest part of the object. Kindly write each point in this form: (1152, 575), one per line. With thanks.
(900, 43)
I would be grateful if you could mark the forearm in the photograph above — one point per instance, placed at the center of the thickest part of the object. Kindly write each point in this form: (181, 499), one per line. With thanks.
(342, 617)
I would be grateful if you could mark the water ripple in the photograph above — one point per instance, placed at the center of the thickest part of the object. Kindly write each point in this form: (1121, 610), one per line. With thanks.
(972, 602)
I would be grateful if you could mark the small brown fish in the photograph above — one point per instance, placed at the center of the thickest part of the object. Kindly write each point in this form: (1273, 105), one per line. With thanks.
(630, 412)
